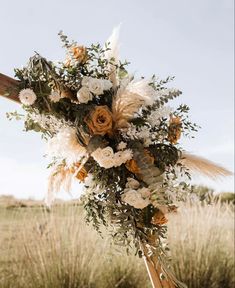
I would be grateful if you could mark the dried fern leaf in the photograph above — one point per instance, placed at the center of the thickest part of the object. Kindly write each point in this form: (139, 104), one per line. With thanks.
(203, 166)
(129, 99)
(112, 54)
(60, 177)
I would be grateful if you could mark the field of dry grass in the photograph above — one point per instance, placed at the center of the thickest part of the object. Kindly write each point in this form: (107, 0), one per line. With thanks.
(58, 250)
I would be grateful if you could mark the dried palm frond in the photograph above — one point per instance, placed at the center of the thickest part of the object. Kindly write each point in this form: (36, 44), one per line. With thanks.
(112, 54)
(203, 166)
(129, 99)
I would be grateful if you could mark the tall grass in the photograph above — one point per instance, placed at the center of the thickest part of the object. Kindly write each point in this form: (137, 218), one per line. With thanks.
(202, 245)
(58, 250)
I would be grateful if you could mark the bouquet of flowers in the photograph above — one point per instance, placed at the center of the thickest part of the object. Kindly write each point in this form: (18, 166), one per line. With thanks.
(118, 136)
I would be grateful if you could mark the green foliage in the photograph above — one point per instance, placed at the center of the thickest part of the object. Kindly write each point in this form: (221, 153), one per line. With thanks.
(14, 115)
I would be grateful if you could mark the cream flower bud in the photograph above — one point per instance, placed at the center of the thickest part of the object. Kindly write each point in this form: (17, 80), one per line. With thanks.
(144, 192)
(55, 96)
(122, 145)
(132, 183)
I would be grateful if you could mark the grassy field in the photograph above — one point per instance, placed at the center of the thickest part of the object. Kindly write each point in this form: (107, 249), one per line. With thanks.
(58, 250)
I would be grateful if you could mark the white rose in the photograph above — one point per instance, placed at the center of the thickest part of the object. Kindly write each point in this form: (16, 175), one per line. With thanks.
(96, 86)
(84, 95)
(27, 97)
(96, 153)
(133, 198)
(132, 183)
(107, 152)
(107, 84)
(55, 96)
(104, 157)
(106, 163)
(85, 81)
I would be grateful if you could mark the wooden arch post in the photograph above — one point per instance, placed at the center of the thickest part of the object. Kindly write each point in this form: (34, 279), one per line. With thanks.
(9, 88)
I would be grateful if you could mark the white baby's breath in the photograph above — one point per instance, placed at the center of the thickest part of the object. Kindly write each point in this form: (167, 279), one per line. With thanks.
(27, 97)
(156, 115)
(142, 133)
(49, 122)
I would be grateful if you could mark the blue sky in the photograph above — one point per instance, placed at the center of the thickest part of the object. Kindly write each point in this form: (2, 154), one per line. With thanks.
(192, 40)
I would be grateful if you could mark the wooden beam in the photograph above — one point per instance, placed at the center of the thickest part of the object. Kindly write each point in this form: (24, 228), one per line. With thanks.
(9, 88)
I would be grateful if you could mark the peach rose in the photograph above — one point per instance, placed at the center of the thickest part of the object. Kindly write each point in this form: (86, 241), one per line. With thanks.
(149, 156)
(82, 174)
(100, 120)
(174, 130)
(132, 166)
(79, 53)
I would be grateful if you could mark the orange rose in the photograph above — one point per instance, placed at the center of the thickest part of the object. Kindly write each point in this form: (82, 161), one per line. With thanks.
(79, 53)
(132, 165)
(174, 130)
(149, 156)
(100, 121)
(159, 218)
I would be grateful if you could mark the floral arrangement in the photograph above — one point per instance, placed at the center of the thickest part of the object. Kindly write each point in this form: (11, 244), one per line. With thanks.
(114, 133)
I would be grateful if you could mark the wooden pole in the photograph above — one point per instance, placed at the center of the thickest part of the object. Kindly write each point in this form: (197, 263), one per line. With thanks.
(9, 88)
(153, 276)
(154, 270)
